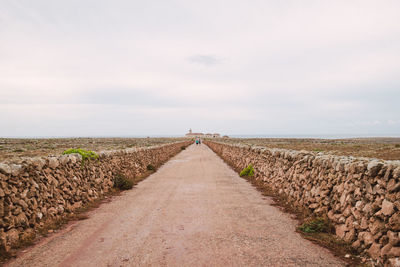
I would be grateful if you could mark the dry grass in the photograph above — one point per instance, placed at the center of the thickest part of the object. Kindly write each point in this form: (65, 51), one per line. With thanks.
(382, 148)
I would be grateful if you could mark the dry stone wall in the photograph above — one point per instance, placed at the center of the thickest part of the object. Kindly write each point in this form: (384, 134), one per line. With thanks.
(41, 190)
(360, 196)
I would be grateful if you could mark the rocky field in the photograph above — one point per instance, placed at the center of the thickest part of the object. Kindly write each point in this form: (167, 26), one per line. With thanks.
(12, 150)
(381, 148)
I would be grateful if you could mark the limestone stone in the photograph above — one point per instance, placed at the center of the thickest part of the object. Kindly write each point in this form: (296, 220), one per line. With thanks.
(364, 223)
(376, 226)
(394, 222)
(392, 186)
(394, 238)
(64, 159)
(368, 238)
(12, 237)
(394, 252)
(356, 244)
(396, 172)
(341, 230)
(375, 250)
(53, 163)
(374, 167)
(38, 163)
(5, 168)
(15, 169)
(394, 262)
(350, 235)
(387, 207)
(385, 250)
(359, 205)
(21, 220)
(367, 209)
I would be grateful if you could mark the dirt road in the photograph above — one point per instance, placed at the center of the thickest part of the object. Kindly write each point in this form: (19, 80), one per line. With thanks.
(194, 211)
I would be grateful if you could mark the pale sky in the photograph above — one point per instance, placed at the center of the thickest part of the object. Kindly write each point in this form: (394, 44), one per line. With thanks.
(127, 68)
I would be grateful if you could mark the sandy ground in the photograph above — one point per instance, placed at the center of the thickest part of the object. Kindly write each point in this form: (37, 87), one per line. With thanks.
(194, 211)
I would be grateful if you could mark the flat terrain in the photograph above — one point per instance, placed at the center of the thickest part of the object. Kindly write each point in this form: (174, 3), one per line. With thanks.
(194, 211)
(12, 149)
(381, 148)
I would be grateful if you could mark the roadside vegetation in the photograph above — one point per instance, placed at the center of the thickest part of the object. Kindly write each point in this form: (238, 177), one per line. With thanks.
(87, 155)
(248, 171)
(121, 182)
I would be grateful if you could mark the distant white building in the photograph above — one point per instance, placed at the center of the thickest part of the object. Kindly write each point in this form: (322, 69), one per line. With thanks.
(191, 134)
(194, 135)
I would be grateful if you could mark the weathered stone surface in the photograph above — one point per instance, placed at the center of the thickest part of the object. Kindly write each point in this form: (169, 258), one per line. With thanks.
(5, 168)
(375, 250)
(394, 262)
(374, 167)
(53, 163)
(394, 252)
(393, 186)
(376, 226)
(38, 163)
(12, 237)
(394, 238)
(385, 250)
(394, 222)
(341, 230)
(387, 207)
(64, 159)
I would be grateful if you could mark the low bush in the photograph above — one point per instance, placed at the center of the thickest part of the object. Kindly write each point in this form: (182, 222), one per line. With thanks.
(183, 147)
(151, 167)
(316, 225)
(248, 171)
(123, 183)
(86, 154)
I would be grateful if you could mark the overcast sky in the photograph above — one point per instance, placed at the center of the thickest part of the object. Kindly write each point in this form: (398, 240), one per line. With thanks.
(126, 68)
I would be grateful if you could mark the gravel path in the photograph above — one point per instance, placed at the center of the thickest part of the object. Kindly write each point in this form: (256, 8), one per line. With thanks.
(194, 211)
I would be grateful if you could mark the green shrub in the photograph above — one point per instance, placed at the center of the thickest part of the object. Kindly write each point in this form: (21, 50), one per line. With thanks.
(122, 183)
(397, 145)
(317, 225)
(248, 171)
(151, 167)
(86, 154)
